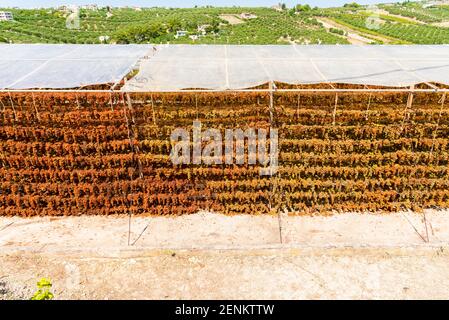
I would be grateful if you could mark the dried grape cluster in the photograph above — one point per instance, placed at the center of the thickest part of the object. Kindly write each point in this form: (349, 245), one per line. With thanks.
(98, 154)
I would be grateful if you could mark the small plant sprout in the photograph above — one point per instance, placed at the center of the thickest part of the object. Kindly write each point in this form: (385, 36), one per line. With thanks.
(43, 290)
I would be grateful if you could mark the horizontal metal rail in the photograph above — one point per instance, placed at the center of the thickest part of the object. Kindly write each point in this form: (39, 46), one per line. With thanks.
(329, 90)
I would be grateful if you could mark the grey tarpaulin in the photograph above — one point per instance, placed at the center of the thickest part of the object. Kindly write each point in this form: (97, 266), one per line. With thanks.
(222, 67)
(26, 66)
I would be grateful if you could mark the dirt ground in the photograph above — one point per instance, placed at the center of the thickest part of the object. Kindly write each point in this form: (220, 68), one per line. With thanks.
(321, 273)
(353, 36)
(231, 18)
(444, 24)
(211, 256)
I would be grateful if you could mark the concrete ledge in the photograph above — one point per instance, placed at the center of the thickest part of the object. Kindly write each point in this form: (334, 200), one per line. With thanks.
(210, 256)
(214, 231)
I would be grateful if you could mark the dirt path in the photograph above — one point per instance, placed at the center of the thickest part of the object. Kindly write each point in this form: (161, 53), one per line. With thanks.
(351, 35)
(444, 24)
(354, 34)
(231, 18)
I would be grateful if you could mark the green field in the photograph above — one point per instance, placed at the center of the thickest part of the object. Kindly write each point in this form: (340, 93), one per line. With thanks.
(409, 32)
(416, 10)
(226, 25)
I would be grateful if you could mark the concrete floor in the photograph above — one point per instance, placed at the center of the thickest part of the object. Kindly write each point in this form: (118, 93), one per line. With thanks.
(210, 256)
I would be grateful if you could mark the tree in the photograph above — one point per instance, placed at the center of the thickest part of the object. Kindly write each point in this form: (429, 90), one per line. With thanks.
(174, 24)
(303, 8)
(352, 5)
(139, 33)
(214, 27)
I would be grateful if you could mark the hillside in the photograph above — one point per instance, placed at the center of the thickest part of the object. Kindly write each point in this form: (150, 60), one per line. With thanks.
(397, 24)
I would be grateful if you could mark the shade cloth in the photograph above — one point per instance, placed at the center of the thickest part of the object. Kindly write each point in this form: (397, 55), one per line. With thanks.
(223, 67)
(26, 66)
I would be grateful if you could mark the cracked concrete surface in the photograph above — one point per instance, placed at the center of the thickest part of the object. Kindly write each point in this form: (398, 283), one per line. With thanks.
(210, 256)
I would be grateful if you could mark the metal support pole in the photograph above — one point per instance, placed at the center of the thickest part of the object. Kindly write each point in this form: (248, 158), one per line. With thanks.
(330, 90)
(367, 108)
(297, 107)
(12, 105)
(408, 106)
(110, 100)
(434, 135)
(271, 108)
(35, 107)
(152, 108)
(334, 114)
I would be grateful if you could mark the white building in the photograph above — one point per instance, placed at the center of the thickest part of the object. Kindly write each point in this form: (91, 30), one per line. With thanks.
(92, 7)
(6, 16)
(180, 33)
(103, 38)
(203, 29)
(246, 15)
